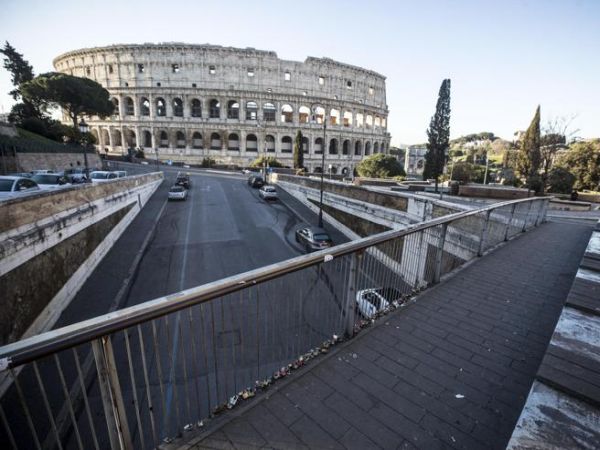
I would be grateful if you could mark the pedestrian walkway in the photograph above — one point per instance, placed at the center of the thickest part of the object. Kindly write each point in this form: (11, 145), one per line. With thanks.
(452, 370)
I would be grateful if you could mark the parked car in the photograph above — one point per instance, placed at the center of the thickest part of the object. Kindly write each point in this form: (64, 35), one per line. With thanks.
(102, 176)
(120, 173)
(183, 179)
(39, 171)
(177, 192)
(313, 238)
(268, 192)
(75, 175)
(256, 181)
(21, 174)
(50, 180)
(370, 301)
(11, 186)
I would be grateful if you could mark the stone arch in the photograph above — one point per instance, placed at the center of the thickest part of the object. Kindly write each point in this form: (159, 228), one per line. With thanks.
(369, 121)
(233, 141)
(286, 144)
(177, 107)
(318, 169)
(269, 112)
(251, 110)
(270, 143)
(233, 109)
(197, 140)
(163, 138)
(358, 148)
(144, 106)
(376, 147)
(319, 114)
(377, 122)
(287, 113)
(333, 170)
(304, 114)
(360, 119)
(214, 110)
(318, 145)
(333, 146)
(334, 116)
(161, 107)
(305, 144)
(115, 102)
(147, 141)
(180, 139)
(215, 141)
(196, 108)
(345, 171)
(251, 143)
(346, 147)
(129, 108)
(105, 137)
(117, 138)
(347, 119)
(367, 148)
(130, 140)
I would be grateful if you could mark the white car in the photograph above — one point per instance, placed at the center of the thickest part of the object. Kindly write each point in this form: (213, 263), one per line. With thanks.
(370, 301)
(120, 173)
(16, 186)
(177, 193)
(101, 176)
(268, 192)
(47, 181)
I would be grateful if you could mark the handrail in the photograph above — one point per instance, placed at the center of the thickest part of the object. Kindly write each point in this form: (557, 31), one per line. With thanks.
(30, 349)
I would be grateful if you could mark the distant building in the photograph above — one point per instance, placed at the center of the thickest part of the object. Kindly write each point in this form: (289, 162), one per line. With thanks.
(414, 160)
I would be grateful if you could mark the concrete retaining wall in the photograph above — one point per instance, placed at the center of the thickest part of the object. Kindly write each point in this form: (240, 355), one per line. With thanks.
(51, 242)
(479, 190)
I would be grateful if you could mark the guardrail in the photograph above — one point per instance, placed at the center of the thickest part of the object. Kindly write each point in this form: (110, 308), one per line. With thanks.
(145, 374)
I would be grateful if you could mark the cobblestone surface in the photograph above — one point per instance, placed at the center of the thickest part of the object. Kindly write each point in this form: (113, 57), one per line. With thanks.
(452, 370)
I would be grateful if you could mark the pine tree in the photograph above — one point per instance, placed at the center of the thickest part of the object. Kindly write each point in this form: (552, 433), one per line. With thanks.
(530, 157)
(438, 135)
(298, 152)
(20, 70)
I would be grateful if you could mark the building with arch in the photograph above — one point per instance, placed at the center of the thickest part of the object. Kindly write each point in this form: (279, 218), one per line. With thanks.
(186, 102)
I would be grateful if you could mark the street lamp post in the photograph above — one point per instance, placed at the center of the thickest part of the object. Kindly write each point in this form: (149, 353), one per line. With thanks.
(322, 161)
(84, 129)
(156, 152)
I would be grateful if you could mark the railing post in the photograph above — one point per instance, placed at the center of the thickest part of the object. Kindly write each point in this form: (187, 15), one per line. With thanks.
(440, 252)
(351, 294)
(527, 216)
(512, 215)
(484, 233)
(112, 398)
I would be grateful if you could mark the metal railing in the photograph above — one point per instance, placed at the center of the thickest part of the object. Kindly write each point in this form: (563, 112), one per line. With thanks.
(146, 374)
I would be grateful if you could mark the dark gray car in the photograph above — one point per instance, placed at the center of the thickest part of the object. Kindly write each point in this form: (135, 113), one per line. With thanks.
(313, 238)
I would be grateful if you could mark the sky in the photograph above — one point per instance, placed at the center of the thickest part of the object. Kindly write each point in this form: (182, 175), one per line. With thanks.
(503, 57)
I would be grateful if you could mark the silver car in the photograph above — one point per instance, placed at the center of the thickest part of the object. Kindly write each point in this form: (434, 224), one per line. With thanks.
(371, 301)
(268, 192)
(16, 186)
(177, 193)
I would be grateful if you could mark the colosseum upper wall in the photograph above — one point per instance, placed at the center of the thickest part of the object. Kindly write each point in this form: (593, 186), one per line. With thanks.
(187, 102)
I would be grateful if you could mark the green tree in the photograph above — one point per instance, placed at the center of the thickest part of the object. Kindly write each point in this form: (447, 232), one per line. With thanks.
(271, 162)
(583, 161)
(438, 135)
(20, 70)
(380, 166)
(298, 152)
(77, 96)
(560, 181)
(530, 157)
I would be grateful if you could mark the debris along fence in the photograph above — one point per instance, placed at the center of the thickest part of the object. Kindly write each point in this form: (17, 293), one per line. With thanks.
(146, 374)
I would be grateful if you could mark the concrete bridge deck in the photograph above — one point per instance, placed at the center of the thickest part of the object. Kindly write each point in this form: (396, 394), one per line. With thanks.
(452, 370)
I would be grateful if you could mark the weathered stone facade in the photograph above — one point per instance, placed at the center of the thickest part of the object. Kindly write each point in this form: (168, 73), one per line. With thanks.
(187, 102)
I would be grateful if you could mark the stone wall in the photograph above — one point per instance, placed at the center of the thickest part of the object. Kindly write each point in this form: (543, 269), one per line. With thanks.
(478, 190)
(56, 161)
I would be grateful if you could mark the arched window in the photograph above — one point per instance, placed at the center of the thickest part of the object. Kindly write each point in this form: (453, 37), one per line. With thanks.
(105, 137)
(233, 109)
(251, 111)
(147, 139)
(196, 108)
(334, 117)
(318, 169)
(358, 148)
(270, 143)
(318, 146)
(319, 113)
(129, 110)
(383, 122)
(117, 142)
(346, 147)
(333, 146)
(95, 134)
(360, 119)
(180, 139)
(377, 122)
(177, 107)
(233, 142)
(197, 140)
(347, 122)
(287, 114)
(269, 112)
(115, 102)
(129, 138)
(251, 143)
(369, 121)
(305, 144)
(333, 170)
(144, 106)
(161, 107)
(164, 139)
(304, 114)
(214, 109)
(367, 148)
(376, 147)
(215, 141)
(286, 144)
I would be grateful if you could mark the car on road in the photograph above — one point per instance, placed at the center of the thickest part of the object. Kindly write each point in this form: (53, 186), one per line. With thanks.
(177, 192)
(183, 179)
(75, 175)
(39, 171)
(256, 181)
(48, 181)
(102, 176)
(11, 186)
(370, 301)
(268, 192)
(120, 173)
(313, 238)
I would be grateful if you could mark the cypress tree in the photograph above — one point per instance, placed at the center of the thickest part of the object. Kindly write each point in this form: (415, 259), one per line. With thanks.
(438, 135)
(298, 153)
(530, 156)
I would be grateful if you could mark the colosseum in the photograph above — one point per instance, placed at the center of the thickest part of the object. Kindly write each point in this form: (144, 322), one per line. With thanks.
(185, 103)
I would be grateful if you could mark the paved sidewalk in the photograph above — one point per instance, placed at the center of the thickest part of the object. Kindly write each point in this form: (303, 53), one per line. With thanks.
(452, 370)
